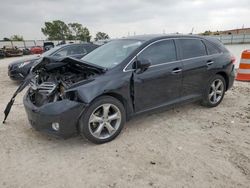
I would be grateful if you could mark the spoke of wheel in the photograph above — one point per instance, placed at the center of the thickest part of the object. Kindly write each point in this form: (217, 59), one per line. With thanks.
(109, 128)
(94, 118)
(106, 108)
(213, 86)
(218, 85)
(99, 130)
(214, 97)
(211, 94)
(218, 92)
(114, 116)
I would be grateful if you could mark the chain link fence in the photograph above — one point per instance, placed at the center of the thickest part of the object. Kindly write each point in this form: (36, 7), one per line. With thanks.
(234, 39)
(225, 39)
(30, 43)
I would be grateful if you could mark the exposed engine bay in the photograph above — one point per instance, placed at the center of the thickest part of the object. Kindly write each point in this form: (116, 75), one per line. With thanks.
(51, 81)
(48, 87)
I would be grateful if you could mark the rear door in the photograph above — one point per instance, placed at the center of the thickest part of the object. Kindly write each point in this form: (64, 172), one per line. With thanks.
(196, 66)
(160, 84)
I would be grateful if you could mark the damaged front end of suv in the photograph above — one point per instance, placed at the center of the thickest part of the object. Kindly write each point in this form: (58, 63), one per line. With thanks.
(52, 101)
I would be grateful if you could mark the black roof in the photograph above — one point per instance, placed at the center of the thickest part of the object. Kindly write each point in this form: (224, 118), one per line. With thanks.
(148, 37)
(74, 44)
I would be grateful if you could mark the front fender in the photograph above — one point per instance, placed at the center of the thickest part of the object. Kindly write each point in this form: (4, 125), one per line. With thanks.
(102, 85)
(118, 86)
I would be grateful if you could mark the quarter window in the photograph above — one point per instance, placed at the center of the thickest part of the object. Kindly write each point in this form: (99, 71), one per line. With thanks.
(192, 48)
(211, 49)
(159, 52)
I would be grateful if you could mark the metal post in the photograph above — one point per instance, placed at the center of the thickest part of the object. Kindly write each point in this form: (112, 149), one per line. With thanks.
(11, 44)
(244, 35)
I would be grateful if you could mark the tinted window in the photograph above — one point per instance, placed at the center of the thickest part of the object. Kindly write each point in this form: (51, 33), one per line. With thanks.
(70, 50)
(211, 49)
(51, 51)
(160, 52)
(76, 49)
(62, 52)
(91, 47)
(192, 48)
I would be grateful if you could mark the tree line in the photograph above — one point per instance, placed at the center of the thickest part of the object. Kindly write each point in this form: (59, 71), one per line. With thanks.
(58, 30)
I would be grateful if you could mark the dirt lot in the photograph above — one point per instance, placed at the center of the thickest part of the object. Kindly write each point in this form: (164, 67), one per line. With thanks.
(189, 146)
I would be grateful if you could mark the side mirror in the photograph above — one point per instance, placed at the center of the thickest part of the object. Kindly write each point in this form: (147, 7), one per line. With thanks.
(142, 65)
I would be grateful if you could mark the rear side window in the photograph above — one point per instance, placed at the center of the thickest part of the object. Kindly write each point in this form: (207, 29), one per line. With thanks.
(211, 49)
(192, 48)
(159, 52)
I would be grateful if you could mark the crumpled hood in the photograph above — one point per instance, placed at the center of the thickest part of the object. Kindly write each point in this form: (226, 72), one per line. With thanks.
(51, 64)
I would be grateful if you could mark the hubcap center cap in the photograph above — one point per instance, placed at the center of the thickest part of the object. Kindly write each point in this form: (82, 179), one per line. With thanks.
(105, 120)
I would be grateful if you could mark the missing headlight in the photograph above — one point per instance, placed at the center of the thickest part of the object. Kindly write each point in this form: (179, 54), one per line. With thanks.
(71, 95)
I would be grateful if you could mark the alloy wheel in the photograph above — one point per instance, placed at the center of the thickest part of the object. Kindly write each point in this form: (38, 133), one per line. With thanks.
(104, 121)
(216, 91)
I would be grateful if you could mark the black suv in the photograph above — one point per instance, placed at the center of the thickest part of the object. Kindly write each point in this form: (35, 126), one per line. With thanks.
(95, 96)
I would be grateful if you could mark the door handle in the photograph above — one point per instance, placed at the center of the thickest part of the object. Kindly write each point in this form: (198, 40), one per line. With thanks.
(176, 70)
(210, 62)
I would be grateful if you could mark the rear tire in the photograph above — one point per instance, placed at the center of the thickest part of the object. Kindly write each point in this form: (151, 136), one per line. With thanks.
(103, 120)
(214, 92)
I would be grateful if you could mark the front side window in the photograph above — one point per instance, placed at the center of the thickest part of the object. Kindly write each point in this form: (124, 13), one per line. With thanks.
(51, 51)
(63, 52)
(191, 48)
(77, 50)
(159, 52)
(113, 53)
(70, 50)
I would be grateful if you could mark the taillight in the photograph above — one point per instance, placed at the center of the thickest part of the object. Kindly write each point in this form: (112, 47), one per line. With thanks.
(233, 59)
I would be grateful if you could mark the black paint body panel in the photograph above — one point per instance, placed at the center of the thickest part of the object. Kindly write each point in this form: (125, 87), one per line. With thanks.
(142, 92)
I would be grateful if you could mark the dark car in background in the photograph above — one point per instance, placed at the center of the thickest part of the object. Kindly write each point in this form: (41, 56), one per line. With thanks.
(48, 45)
(96, 95)
(19, 69)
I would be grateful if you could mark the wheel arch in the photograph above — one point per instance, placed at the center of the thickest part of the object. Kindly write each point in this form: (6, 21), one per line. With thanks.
(120, 98)
(225, 76)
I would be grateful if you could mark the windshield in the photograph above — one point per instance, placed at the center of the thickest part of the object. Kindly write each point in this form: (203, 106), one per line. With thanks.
(112, 53)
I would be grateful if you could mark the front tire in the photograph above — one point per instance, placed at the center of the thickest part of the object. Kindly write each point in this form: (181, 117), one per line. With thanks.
(103, 120)
(214, 92)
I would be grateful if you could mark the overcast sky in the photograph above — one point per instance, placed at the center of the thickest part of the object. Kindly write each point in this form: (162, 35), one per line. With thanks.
(120, 17)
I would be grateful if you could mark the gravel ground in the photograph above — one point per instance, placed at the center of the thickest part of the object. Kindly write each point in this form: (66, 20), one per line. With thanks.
(188, 146)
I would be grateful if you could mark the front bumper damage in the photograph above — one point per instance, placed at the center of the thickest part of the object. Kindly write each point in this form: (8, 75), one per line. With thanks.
(65, 112)
(52, 109)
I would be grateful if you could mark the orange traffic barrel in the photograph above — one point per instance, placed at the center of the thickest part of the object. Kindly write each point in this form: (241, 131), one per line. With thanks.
(243, 73)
